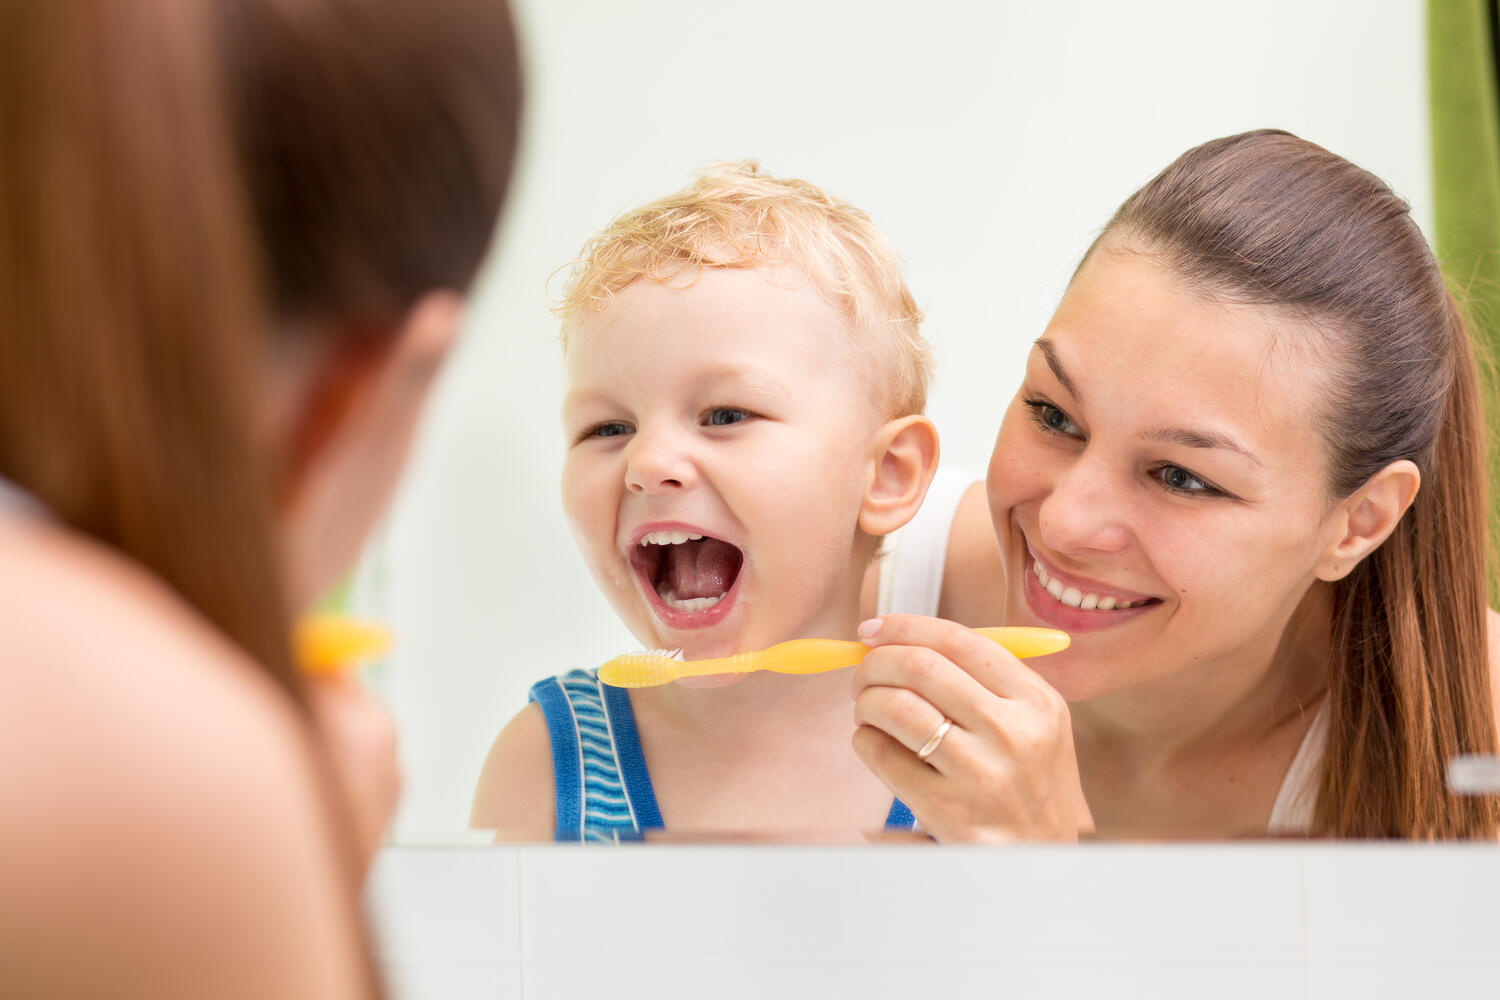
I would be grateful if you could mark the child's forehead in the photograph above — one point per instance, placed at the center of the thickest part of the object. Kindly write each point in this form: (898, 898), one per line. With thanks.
(744, 324)
(716, 303)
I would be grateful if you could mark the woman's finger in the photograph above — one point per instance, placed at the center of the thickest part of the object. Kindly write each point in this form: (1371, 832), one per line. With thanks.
(990, 664)
(931, 678)
(905, 716)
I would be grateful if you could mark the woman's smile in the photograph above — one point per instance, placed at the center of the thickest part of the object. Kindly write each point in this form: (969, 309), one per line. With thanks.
(1076, 604)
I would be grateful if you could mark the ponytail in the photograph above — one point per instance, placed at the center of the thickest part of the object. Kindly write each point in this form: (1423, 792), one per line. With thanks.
(1410, 687)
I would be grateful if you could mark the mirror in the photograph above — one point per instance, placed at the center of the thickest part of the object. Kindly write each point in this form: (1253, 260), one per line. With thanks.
(989, 142)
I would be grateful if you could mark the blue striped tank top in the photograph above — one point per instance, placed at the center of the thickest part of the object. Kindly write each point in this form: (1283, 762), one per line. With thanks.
(603, 790)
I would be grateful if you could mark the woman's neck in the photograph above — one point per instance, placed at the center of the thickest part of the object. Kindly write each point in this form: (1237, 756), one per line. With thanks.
(1218, 709)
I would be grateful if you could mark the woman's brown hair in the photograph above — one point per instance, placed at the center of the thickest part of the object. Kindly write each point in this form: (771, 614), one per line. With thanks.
(1270, 219)
(131, 317)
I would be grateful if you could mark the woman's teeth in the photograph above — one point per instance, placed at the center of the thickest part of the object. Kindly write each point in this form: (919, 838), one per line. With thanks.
(1075, 598)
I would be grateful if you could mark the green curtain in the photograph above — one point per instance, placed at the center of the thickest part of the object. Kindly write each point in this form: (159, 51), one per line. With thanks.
(1464, 92)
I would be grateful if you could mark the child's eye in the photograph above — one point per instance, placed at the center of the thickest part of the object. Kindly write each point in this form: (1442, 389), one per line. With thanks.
(723, 416)
(1052, 419)
(607, 429)
(1179, 480)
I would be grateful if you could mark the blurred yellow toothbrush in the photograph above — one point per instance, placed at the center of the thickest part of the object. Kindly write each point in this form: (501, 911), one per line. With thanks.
(327, 645)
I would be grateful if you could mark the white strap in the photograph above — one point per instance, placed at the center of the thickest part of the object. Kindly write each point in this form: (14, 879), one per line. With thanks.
(1298, 798)
(911, 568)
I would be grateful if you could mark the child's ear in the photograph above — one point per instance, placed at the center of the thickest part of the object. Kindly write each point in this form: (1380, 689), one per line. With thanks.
(1360, 523)
(903, 458)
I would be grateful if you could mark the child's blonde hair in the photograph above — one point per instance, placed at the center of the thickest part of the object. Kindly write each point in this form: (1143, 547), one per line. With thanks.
(734, 216)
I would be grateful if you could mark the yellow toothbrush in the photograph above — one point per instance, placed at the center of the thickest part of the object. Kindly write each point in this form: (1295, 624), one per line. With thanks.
(325, 645)
(799, 656)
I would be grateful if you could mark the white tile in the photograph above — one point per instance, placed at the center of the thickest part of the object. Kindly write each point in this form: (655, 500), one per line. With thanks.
(1056, 980)
(445, 906)
(452, 981)
(1367, 980)
(1403, 903)
(1162, 905)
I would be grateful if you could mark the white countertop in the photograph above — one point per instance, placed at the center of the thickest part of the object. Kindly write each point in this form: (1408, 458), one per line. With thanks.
(1284, 920)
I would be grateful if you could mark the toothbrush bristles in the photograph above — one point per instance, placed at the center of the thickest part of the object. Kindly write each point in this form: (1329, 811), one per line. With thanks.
(644, 669)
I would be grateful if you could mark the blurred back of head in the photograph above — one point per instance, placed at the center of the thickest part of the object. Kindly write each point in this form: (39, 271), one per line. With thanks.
(177, 177)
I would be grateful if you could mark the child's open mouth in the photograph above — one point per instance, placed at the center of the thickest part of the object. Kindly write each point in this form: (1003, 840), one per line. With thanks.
(689, 575)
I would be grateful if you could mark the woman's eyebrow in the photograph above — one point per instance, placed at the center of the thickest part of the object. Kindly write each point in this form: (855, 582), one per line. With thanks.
(1200, 439)
(1166, 435)
(1049, 351)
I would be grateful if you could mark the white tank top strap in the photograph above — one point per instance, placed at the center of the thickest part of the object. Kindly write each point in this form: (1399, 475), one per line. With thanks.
(1298, 798)
(911, 566)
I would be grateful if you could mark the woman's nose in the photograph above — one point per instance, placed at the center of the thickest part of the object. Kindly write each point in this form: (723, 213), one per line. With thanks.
(1086, 510)
(657, 461)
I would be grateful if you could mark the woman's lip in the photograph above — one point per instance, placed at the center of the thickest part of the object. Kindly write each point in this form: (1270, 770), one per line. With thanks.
(1052, 612)
(1083, 584)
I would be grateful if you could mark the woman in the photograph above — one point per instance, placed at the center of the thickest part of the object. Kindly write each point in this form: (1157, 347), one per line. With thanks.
(1245, 472)
(233, 238)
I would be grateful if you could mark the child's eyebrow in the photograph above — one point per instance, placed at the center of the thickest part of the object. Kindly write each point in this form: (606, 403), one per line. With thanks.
(581, 397)
(756, 380)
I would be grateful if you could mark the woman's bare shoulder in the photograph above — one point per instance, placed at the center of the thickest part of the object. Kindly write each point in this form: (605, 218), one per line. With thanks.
(160, 796)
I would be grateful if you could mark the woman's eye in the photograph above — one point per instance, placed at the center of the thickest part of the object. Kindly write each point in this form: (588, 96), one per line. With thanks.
(723, 416)
(1179, 480)
(1052, 418)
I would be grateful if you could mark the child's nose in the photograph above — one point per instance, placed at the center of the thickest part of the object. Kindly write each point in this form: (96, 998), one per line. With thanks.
(656, 463)
(1085, 511)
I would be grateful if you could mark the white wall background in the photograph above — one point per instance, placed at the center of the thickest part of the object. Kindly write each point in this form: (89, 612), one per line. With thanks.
(990, 141)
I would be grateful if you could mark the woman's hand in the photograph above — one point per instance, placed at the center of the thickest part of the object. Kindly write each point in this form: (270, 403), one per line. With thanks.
(361, 742)
(1006, 767)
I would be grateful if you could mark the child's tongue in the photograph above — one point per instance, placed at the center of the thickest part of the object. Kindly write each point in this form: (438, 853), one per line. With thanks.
(705, 568)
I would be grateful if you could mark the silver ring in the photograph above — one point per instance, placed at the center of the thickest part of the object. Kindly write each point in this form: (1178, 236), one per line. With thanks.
(930, 747)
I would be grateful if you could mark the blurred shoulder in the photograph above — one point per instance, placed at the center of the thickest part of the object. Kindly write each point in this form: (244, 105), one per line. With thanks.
(85, 625)
(156, 773)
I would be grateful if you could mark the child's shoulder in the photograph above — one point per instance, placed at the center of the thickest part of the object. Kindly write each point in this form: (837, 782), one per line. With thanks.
(516, 795)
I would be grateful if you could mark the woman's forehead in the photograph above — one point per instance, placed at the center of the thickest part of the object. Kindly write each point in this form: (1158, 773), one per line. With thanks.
(1133, 344)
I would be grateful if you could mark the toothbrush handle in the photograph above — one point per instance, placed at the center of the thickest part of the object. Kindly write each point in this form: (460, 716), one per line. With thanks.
(812, 656)
(807, 656)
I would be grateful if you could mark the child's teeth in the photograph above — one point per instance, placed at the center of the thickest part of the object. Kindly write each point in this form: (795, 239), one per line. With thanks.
(1075, 598)
(669, 538)
(690, 603)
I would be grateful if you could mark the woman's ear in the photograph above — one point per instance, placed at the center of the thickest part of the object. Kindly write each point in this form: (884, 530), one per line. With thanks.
(348, 443)
(903, 458)
(1367, 517)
